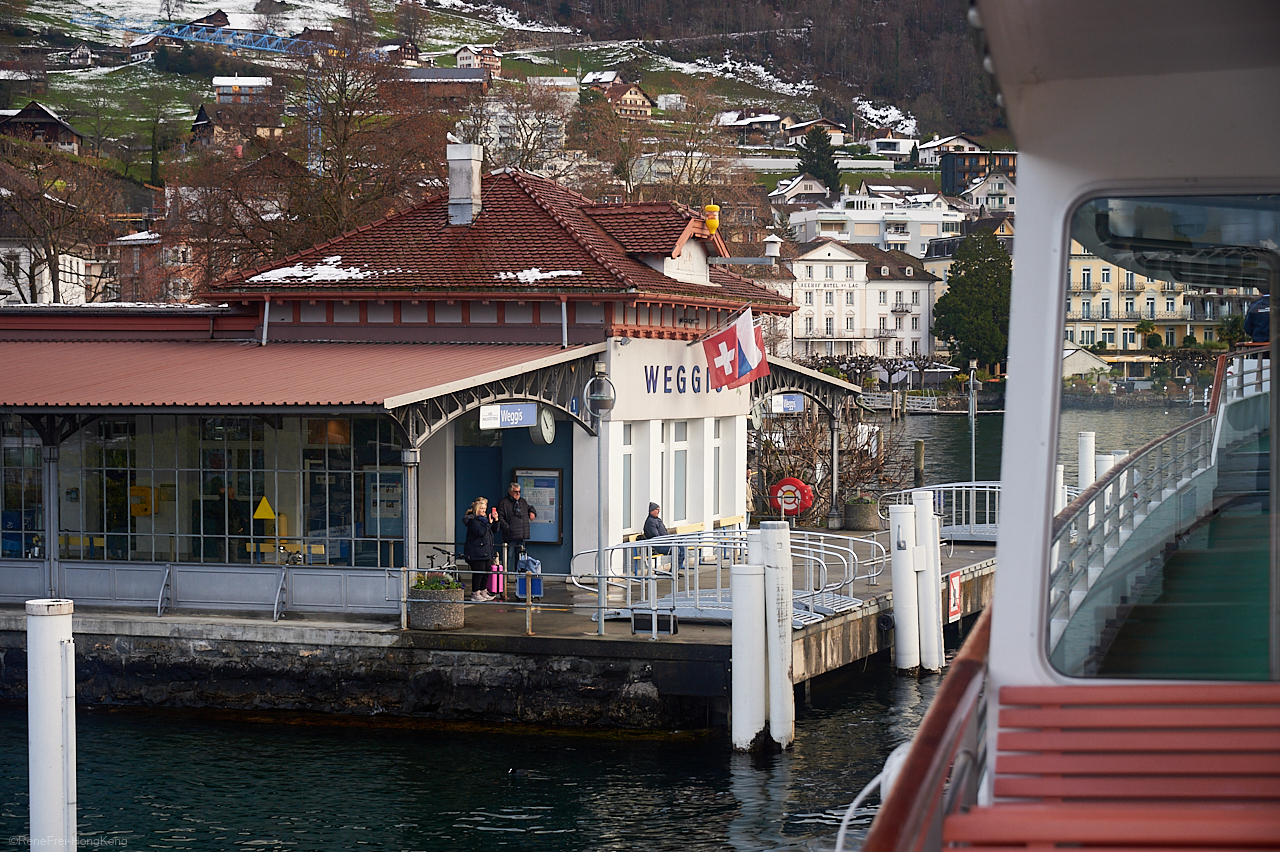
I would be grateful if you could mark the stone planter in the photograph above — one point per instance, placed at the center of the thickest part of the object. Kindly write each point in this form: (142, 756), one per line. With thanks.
(436, 609)
(861, 516)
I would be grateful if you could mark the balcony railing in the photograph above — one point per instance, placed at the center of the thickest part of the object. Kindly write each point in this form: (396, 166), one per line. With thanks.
(1085, 287)
(1170, 287)
(904, 308)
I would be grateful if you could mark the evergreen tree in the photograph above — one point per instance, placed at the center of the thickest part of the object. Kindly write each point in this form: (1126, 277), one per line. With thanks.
(973, 315)
(818, 158)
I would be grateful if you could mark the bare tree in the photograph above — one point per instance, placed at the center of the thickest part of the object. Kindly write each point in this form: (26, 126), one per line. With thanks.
(55, 208)
(413, 20)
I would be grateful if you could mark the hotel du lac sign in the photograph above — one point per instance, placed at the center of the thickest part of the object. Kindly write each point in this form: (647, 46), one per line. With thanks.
(668, 379)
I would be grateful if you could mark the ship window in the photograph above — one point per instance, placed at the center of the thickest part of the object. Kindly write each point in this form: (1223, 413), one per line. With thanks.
(1160, 560)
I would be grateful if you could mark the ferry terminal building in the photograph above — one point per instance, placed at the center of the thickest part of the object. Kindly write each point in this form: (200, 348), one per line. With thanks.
(276, 448)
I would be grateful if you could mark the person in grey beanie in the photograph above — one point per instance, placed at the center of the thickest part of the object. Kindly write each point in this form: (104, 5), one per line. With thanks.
(654, 527)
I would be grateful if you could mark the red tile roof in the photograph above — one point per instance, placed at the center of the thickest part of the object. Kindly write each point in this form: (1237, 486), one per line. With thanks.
(532, 236)
(233, 373)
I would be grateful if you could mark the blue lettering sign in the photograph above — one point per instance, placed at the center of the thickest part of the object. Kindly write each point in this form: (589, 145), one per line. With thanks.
(697, 379)
(651, 378)
(680, 378)
(666, 379)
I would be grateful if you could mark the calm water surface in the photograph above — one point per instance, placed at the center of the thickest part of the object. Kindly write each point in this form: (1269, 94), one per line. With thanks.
(947, 442)
(177, 780)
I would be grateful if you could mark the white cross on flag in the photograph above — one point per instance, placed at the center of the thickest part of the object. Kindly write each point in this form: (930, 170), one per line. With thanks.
(736, 356)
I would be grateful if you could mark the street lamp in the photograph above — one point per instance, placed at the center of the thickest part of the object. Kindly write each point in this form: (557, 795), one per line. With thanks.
(600, 397)
(973, 420)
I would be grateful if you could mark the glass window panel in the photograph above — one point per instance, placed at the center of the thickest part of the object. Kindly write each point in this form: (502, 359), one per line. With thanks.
(626, 490)
(1166, 571)
(679, 486)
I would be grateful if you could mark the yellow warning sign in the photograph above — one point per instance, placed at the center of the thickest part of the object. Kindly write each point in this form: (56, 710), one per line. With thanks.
(263, 512)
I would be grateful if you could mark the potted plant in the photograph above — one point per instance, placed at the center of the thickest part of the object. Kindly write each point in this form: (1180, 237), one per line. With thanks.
(862, 512)
(436, 602)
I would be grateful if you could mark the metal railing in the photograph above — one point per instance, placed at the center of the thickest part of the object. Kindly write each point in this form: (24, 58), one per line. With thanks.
(876, 399)
(970, 511)
(1152, 485)
(692, 580)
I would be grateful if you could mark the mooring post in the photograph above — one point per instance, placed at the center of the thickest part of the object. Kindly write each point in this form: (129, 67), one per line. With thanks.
(919, 465)
(778, 583)
(749, 693)
(906, 619)
(51, 723)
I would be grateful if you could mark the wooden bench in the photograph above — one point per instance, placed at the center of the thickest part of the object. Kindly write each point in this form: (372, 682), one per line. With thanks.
(1155, 766)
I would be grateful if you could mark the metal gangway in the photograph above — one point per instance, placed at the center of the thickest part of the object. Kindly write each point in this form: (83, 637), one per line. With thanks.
(641, 579)
(970, 511)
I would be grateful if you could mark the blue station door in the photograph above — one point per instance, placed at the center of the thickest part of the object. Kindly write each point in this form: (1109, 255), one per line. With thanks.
(477, 473)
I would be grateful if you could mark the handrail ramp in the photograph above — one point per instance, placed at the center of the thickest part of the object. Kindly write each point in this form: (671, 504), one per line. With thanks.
(641, 579)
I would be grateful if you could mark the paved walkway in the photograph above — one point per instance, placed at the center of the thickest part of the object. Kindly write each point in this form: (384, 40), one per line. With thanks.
(563, 613)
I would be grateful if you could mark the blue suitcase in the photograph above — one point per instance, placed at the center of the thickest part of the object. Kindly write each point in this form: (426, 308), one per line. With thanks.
(527, 563)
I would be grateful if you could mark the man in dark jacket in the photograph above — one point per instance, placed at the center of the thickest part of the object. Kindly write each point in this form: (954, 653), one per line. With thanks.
(1257, 321)
(514, 515)
(654, 527)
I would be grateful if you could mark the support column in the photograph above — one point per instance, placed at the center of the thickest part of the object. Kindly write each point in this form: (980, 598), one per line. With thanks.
(409, 511)
(834, 517)
(49, 477)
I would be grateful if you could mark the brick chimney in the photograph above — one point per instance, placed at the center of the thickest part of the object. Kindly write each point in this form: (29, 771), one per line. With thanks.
(464, 183)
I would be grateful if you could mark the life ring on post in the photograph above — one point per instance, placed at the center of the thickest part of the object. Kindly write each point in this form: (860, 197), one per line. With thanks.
(790, 495)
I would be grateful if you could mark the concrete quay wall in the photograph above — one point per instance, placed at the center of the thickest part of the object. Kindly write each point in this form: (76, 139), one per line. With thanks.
(625, 684)
(566, 680)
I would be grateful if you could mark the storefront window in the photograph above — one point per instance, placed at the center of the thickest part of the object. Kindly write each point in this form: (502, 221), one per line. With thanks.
(22, 520)
(268, 489)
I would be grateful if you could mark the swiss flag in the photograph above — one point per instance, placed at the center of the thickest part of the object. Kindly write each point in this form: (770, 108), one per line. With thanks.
(736, 356)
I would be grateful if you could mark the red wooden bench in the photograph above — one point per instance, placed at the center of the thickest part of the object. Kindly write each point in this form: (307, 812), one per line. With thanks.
(1132, 767)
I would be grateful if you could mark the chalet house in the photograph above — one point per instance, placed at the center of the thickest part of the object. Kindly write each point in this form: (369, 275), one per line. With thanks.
(802, 189)
(398, 50)
(38, 123)
(601, 80)
(232, 124)
(447, 85)
(753, 126)
(629, 101)
(796, 132)
(81, 57)
(931, 152)
(143, 48)
(472, 56)
(995, 192)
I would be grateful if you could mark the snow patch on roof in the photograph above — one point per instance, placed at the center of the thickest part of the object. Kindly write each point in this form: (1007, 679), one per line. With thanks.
(327, 269)
(528, 276)
(141, 236)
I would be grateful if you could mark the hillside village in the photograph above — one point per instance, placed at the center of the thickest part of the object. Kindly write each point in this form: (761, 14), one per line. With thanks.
(327, 131)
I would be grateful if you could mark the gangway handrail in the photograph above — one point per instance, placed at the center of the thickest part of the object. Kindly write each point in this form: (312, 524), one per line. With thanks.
(912, 810)
(1088, 533)
(641, 580)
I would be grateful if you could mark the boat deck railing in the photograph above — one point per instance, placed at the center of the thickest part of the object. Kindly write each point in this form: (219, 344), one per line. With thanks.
(1108, 540)
(688, 574)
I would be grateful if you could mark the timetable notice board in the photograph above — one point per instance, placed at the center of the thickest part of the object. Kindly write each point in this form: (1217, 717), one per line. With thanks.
(544, 491)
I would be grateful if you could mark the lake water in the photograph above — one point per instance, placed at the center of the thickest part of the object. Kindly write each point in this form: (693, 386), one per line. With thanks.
(947, 442)
(151, 779)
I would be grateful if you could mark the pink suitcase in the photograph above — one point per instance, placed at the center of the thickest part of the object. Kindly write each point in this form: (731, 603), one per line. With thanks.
(497, 580)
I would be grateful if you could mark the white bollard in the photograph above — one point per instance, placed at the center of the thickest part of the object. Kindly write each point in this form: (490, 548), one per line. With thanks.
(750, 691)
(776, 538)
(1102, 462)
(51, 723)
(928, 582)
(1059, 488)
(906, 623)
(1086, 474)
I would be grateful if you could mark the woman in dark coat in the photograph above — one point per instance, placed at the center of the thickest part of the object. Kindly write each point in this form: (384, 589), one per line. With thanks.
(481, 523)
